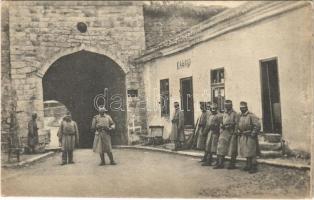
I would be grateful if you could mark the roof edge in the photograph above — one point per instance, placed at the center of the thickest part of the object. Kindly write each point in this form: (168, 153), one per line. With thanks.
(220, 24)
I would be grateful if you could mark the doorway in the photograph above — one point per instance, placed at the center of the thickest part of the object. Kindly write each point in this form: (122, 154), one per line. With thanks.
(187, 105)
(270, 96)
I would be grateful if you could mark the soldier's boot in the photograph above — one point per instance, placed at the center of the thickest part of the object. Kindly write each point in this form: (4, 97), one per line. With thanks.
(220, 162)
(175, 146)
(253, 168)
(232, 164)
(64, 158)
(33, 150)
(70, 154)
(247, 167)
(112, 162)
(217, 161)
(204, 159)
(208, 161)
(102, 158)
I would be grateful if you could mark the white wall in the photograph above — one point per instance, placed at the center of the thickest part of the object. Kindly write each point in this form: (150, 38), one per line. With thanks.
(286, 37)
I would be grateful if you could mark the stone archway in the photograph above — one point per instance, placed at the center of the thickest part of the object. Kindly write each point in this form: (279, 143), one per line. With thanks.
(76, 79)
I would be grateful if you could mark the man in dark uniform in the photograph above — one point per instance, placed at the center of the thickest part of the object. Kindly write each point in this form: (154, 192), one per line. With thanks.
(177, 129)
(212, 128)
(103, 126)
(248, 128)
(227, 143)
(201, 136)
(32, 133)
(68, 137)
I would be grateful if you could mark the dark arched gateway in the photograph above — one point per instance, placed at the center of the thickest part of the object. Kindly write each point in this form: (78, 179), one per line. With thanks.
(76, 79)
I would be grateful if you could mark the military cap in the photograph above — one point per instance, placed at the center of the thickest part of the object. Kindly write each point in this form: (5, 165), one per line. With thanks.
(202, 102)
(228, 102)
(243, 104)
(68, 113)
(102, 109)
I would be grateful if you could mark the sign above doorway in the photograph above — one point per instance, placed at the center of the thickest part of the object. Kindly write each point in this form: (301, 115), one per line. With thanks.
(186, 63)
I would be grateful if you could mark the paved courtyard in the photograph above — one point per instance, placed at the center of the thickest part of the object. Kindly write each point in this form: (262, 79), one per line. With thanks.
(149, 174)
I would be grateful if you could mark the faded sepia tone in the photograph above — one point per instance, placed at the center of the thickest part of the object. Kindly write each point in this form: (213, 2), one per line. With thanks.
(150, 86)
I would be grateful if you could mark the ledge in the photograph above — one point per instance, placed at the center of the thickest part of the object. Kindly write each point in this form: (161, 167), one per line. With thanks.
(199, 154)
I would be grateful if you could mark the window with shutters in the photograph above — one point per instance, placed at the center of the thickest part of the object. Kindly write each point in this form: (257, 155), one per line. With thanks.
(218, 87)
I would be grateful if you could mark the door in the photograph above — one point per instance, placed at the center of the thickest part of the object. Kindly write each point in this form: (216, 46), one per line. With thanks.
(270, 96)
(186, 90)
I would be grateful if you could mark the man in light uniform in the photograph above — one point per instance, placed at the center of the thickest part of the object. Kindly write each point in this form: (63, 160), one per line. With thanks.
(248, 128)
(177, 129)
(213, 129)
(227, 143)
(68, 137)
(103, 126)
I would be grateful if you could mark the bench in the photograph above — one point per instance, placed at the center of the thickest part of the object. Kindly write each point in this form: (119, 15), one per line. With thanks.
(155, 135)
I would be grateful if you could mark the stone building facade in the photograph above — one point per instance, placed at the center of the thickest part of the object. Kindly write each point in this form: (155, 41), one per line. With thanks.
(35, 35)
(45, 56)
(237, 46)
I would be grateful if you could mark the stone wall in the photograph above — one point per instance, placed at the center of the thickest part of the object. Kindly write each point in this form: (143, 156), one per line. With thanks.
(43, 31)
(164, 21)
(8, 98)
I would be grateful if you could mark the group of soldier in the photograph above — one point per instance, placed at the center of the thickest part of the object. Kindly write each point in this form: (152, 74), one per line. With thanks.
(223, 134)
(68, 134)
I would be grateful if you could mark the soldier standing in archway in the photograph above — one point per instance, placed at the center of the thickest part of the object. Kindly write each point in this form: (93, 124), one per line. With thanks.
(103, 126)
(68, 137)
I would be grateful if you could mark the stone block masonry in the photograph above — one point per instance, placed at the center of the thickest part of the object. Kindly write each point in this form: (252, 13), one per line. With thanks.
(36, 34)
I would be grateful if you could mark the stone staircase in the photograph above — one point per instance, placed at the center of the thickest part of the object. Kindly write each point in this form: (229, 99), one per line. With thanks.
(270, 145)
(188, 132)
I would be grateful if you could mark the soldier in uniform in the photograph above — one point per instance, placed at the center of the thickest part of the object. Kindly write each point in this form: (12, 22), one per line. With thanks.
(32, 133)
(68, 137)
(201, 138)
(227, 143)
(103, 126)
(248, 128)
(177, 129)
(213, 129)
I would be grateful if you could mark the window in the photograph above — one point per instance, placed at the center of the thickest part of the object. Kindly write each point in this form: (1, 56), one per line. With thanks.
(218, 87)
(164, 98)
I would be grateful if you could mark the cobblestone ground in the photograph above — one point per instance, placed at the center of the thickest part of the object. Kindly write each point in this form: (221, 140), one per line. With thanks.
(150, 174)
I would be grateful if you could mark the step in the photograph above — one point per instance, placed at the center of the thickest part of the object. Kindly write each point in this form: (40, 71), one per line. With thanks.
(270, 137)
(271, 154)
(188, 131)
(268, 146)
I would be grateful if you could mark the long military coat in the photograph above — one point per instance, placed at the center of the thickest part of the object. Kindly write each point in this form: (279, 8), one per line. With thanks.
(177, 129)
(247, 142)
(213, 129)
(32, 133)
(227, 143)
(201, 135)
(102, 140)
(68, 135)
